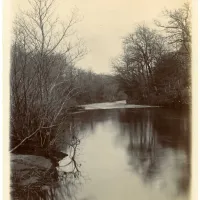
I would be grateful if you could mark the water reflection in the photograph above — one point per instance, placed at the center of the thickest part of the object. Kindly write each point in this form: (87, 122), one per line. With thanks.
(42, 184)
(153, 135)
(156, 142)
(124, 153)
(44, 178)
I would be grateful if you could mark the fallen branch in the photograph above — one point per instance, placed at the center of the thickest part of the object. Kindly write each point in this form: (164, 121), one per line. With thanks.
(26, 138)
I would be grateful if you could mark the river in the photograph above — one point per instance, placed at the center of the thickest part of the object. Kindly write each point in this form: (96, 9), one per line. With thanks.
(133, 152)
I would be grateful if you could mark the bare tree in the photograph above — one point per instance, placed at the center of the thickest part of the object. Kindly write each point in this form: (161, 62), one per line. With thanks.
(42, 51)
(178, 34)
(142, 50)
(144, 47)
(178, 26)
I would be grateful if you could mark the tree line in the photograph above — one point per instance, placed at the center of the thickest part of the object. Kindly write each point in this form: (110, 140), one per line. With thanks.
(155, 65)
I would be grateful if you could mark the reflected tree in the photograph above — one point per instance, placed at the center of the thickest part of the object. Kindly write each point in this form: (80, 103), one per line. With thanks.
(149, 135)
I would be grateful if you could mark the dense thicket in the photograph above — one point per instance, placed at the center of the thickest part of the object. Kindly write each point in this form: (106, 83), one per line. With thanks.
(155, 68)
(97, 88)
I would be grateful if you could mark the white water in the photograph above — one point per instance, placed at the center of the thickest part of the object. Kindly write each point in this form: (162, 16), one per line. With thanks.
(113, 105)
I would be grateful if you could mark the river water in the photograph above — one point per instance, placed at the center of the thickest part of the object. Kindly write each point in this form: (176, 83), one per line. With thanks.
(133, 152)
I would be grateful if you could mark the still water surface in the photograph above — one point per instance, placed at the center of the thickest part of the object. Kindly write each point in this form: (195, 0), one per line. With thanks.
(134, 153)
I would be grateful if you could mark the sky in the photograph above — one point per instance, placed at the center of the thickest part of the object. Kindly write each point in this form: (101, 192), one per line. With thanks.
(105, 22)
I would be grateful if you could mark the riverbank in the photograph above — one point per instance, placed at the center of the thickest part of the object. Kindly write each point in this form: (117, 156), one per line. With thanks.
(172, 105)
(32, 175)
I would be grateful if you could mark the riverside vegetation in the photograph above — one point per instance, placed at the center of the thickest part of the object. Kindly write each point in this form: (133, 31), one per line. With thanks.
(156, 63)
(46, 85)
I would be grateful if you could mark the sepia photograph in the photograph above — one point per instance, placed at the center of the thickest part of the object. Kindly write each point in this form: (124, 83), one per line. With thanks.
(100, 99)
